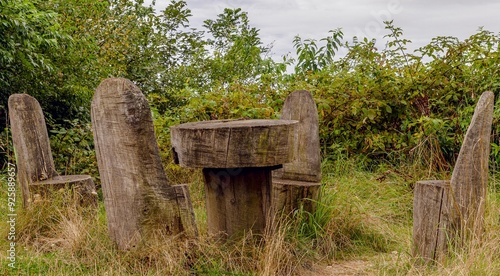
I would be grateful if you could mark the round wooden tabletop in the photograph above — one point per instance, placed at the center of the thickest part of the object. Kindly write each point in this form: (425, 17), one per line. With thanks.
(234, 143)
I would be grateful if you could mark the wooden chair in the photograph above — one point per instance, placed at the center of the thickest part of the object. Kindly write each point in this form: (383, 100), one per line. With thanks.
(139, 200)
(36, 173)
(298, 183)
(452, 211)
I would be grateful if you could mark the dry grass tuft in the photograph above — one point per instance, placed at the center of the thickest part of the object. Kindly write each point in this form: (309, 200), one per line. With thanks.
(360, 216)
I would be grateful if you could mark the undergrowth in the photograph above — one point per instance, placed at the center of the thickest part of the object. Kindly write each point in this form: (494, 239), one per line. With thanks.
(361, 214)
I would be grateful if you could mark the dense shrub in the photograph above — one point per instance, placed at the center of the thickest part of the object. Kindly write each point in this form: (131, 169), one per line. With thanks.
(381, 104)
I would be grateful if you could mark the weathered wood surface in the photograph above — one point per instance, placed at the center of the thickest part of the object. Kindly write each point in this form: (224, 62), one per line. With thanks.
(289, 196)
(234, 143)
(300, 106)
(237, 200)
(138, 198)
(186, 211)
(456, 211)
(238, 157)
(82, 186)
(470, 174)
(298, 183)
(34, 157)
(431, 220)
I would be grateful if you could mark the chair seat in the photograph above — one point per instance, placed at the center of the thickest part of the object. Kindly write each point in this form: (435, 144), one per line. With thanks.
(81, 184)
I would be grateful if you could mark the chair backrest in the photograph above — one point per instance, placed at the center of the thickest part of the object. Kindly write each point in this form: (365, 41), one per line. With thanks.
(137, 194)
(300, 106)
(470, 174)
(31, 142)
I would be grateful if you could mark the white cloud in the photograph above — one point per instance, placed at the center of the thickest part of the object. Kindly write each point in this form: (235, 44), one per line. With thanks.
(421, 20)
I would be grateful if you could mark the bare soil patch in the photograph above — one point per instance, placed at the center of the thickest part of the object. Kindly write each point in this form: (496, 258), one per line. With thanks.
(352, 267)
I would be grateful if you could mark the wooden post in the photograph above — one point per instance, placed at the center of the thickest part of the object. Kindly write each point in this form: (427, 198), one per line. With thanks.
(431, 220)
(298, 182)
(36, 171)
(237, 200)
(238, 157)
(138, 198)
(470, 175)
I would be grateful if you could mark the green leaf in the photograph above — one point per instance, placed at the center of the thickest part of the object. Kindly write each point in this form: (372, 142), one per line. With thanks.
(388, 109)
(371, 114)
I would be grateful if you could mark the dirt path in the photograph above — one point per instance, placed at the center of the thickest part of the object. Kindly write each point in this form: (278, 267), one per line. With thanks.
(354, 267)
(366, 266)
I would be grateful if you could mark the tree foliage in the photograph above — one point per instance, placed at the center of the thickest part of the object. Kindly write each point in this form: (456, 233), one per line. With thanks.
(313, 58)
(385, 103)
(28, 36)
(390, 103)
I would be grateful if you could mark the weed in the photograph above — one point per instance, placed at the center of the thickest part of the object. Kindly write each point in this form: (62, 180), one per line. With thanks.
(359, 215)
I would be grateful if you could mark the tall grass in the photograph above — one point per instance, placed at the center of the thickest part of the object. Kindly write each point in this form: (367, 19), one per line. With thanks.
(478, 258)
(361, 215)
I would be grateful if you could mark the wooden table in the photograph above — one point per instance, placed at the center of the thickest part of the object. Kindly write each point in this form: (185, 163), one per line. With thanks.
(237, 157)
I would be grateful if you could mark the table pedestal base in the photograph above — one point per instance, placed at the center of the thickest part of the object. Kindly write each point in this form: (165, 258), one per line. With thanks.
(238, 200)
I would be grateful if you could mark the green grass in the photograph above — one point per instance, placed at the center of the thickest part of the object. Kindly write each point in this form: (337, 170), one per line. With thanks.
(361, 215)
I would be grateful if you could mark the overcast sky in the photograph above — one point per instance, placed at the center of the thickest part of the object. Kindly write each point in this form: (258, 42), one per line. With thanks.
(421, 20)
